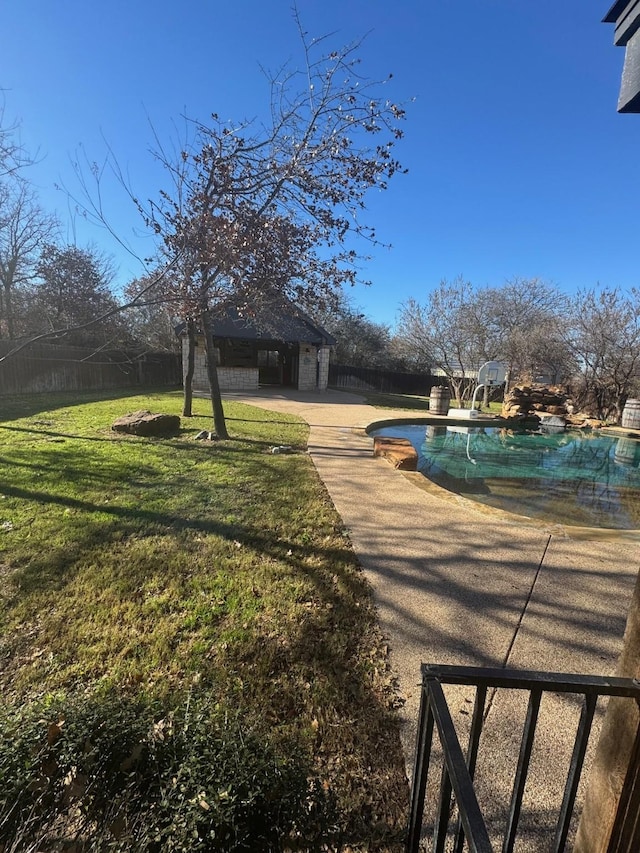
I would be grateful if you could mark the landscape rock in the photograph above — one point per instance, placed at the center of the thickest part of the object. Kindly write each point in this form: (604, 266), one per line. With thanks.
(549, 405)
(551, 421)
(525, 400)
(585, 421)
(398, 451)
(145, 423)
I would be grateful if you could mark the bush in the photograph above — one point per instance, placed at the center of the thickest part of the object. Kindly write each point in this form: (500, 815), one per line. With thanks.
(107, 773)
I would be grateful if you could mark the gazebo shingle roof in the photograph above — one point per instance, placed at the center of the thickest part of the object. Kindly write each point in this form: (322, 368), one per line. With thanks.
(279, 322)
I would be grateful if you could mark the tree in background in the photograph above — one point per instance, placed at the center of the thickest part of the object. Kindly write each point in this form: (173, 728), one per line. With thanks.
(13, 156)
(604, 334)
(520, 323)
(360, 342)
(160, 307)
(445, 333)
(71, 290)
(24, 229)
(153, 323)
(525, 322)
(258, 214)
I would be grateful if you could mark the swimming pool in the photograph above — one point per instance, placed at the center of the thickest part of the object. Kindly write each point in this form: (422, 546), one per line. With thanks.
(573, 477)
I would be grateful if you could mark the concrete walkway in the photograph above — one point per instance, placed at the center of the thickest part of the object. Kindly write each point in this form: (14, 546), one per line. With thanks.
(454, 584)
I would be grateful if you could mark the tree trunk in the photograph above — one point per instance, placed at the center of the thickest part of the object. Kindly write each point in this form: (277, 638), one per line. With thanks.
(456, 387)
(8, 311)
(485, 395)
(607, 825)
(219, 422)
(191, 366)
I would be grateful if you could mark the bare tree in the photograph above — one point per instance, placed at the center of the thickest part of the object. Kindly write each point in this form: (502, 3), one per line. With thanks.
(520, 323)
(13, 156)
(524, 320)
(24, 229)
(24, 226)
(360, 342)
(446, 333)
(153, 324)
(261, 213)
(604, 333)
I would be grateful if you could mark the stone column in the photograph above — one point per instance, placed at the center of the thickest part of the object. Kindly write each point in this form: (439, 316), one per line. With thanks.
(307, 367)
(323, 368)
(200, 378)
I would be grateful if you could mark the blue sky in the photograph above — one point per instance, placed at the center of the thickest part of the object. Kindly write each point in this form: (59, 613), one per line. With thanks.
(518, 163)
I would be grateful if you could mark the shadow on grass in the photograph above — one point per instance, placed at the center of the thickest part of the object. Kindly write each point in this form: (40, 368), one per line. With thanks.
(15, 406)
(117, 523)
(176, 440)
(311, 665)
(320, 678)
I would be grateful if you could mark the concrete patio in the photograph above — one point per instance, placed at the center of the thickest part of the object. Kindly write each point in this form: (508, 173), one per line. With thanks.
(457, 585)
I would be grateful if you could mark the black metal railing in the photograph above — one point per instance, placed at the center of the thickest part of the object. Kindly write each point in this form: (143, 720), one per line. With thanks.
(458, 770)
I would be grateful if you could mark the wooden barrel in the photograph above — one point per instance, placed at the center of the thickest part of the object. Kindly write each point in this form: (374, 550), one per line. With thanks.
(439, 400)
(627, 452)
(433, 433)
(631, 414)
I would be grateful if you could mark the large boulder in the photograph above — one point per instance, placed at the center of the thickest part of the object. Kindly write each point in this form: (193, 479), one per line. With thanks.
(146, 423)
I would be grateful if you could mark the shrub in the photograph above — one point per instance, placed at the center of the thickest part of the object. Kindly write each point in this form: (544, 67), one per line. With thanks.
(109, 773)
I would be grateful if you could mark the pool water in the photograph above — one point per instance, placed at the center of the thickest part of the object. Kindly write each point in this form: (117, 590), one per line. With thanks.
(569, 477)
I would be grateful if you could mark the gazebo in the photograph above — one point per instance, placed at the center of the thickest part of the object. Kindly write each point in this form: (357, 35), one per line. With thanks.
(277, 345)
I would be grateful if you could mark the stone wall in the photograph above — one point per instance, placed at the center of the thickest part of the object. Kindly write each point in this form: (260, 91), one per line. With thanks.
(238, 378)
(200, 378)
(313, 370)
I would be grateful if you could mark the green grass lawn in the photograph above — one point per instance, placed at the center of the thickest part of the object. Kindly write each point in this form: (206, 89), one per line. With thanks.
(395, 401)
(416, 402)
(149, 577)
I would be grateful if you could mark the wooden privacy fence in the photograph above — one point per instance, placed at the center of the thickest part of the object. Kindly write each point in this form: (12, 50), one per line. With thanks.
(386, 381)
(43, 367)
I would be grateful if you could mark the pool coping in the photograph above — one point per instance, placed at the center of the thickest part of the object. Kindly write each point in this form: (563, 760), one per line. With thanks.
(568, 531)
